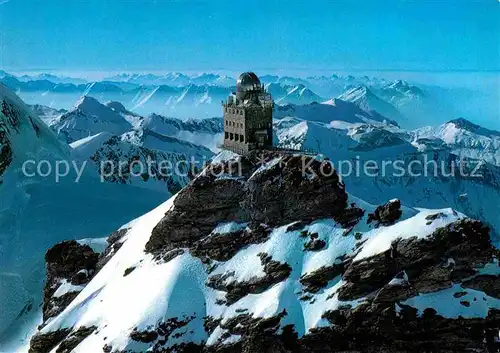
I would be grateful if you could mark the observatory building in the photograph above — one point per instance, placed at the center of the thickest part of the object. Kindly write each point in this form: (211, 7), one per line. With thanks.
(248, 116)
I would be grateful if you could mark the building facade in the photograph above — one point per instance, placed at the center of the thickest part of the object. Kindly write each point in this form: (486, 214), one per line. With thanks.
(248, 116)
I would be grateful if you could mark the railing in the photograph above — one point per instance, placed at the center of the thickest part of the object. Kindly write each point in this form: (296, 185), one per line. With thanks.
(282, 148)
(292, 148)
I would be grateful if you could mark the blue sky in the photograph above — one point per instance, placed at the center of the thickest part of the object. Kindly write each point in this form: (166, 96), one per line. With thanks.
(116, 35)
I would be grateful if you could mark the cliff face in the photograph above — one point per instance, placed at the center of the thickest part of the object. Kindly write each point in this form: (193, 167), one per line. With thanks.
(269, 189)
(269, 253)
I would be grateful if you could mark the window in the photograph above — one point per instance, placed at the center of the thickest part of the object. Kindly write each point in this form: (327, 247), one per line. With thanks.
(241, 112)
(231, 137)
(233, 111)
(234, 124)
(236, 137)
(226, 135)
(242, 139)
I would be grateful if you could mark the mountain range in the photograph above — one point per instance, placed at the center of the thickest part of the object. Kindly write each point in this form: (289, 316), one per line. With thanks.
(199, 96)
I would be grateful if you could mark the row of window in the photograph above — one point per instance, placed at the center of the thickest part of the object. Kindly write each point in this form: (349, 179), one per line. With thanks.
(233, 124)
(235, 137)
(234, 111)
(262, 125)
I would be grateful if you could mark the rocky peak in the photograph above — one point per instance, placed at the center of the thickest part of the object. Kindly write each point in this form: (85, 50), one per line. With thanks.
(462, 123)
(264, 187)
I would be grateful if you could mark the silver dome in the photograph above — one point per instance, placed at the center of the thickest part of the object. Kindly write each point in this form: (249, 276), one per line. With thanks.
(248, 81)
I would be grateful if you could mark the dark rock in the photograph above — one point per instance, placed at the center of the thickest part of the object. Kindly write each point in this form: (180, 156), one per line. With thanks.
(43, 343)
(315, 245)
(275, 272)
(386, 214)
(222, 247)
(162, 333)
(56, 305)
(465, 241)
(350, 216)
(170, 255)
(68, 261)
(391, 293)
(81, 277)
(315, 281)
(435, 216)
(283, 193)
(278, 195)
(199, 207)
(144, 336)
(114, 244)
(74, 339)
(128, 271)
(486, 283)
(5, 151)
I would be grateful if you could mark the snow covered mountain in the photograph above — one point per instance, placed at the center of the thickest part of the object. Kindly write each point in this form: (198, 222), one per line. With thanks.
(143, 159)
(292, 94)
(364, 98)
(87, 118)
(39, 207)
(463, 138)
(129, 149)
(52, 78)
(350, 144)
(271, 260)
(400, 92)
(332, 110)
(175, 79)
(47, 114)
(205, 132)
(172, 78)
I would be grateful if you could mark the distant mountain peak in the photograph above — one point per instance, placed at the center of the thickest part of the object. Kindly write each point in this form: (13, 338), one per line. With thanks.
(89, 117)
(87, 103)
(405, 87)
(356, 93)
(365, 99)
(464, 124)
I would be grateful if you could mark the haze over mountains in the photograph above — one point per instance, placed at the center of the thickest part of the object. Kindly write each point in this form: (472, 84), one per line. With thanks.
(199, 96)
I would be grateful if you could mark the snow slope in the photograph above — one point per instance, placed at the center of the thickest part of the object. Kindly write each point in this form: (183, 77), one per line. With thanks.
(464, 139)
(205, 132)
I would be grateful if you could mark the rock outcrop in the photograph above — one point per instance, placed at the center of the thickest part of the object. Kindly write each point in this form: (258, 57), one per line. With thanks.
(263, 188)
(386, 214)
(69, 266)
